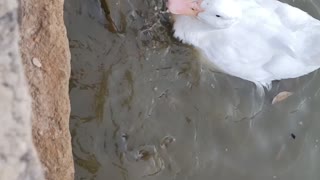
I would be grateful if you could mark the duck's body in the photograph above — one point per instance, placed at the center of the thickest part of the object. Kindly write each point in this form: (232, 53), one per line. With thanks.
(256, 40)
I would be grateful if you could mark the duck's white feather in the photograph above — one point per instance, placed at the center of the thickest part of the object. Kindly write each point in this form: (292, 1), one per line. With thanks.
(256, 40)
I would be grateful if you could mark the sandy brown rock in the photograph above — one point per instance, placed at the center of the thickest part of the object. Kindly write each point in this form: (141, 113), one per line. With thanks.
(46, 57)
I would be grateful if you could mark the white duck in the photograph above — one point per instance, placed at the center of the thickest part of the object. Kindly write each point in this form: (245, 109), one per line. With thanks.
(256, 40)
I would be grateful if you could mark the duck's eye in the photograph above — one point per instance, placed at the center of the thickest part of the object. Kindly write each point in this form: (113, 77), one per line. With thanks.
(218, 15)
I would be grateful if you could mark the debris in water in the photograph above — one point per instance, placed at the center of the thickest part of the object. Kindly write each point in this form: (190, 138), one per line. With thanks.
(144, 155)
(281, 96)
(166, 141)
(293, 136)
(125, 136)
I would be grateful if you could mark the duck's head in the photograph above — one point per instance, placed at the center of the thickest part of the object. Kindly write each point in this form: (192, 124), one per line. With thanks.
(219, 14)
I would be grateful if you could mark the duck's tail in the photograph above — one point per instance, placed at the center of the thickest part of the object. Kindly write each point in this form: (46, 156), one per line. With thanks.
(310, 51)
(261, 87)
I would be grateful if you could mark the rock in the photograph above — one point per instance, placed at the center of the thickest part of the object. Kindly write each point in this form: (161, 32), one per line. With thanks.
(36, 62)
(18, 158)
(43, 36)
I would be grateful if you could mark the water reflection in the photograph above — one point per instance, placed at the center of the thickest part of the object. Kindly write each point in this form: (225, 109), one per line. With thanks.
(143, 106)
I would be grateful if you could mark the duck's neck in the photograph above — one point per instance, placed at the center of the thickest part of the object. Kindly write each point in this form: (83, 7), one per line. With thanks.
(190, 30)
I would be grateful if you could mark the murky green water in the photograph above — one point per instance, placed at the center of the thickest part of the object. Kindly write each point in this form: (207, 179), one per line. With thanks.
(144, 107)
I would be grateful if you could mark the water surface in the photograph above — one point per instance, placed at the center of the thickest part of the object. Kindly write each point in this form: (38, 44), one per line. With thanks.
(145, 107)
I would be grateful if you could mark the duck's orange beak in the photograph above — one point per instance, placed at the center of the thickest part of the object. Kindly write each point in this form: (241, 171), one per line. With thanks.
(185, 7)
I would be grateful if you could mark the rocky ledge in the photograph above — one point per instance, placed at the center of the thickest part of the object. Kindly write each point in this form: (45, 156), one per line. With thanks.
(46, 58)
(34, 100)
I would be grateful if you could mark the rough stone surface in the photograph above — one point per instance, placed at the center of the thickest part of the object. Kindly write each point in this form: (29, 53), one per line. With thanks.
(18, 159)
(46, 57)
